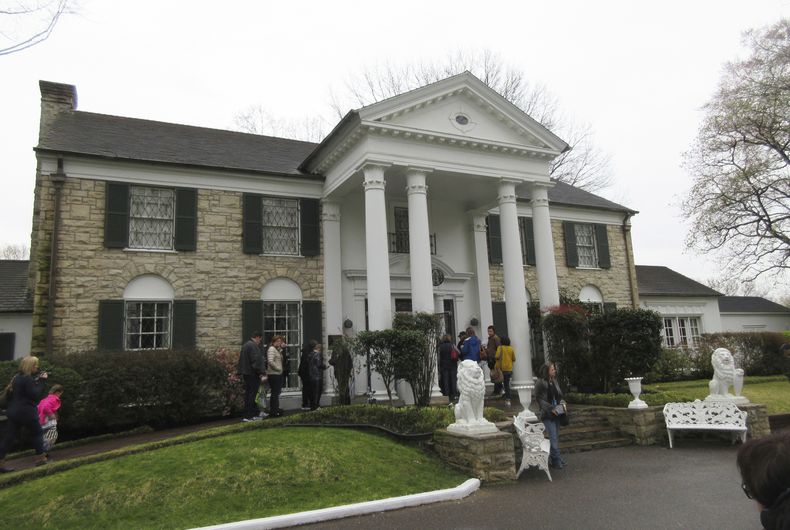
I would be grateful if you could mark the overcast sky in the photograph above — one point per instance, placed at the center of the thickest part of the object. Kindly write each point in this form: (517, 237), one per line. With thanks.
(638, 74)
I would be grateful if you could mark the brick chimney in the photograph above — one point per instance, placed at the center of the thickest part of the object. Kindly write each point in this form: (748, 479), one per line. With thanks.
(55, 98)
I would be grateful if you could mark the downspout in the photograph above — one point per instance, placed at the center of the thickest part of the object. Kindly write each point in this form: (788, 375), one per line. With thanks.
(58, 178)
(631, 269)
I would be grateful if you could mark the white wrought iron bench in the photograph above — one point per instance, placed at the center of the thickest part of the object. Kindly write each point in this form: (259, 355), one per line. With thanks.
(705, 416)
(535, 446)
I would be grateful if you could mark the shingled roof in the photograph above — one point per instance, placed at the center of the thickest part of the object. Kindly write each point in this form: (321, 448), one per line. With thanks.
(13, 287)
(567, 195)
(750, 304)
(662, 281)
(116, 137)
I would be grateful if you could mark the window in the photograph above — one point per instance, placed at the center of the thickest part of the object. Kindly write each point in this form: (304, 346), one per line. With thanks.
(280, 226)
(586, 245)
(681, 332)
(148, 218)
(592, 299)
(494, 240)
(147, 325)
(7, 343)
(282, 318)
(151, 218)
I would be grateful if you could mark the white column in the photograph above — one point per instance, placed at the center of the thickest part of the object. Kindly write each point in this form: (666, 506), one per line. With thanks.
(515, 288)
(548, 289)
(333, 300)
(376, 251)
(419, 241)
(483, 276)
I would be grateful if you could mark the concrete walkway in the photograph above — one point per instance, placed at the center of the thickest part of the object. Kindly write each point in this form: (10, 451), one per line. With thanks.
(694, 486)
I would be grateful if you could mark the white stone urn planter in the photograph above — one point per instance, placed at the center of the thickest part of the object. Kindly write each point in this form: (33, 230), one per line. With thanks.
(525, 397)
(635, 386)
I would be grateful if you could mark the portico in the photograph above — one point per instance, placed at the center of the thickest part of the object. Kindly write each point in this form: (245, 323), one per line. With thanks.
(451, 154)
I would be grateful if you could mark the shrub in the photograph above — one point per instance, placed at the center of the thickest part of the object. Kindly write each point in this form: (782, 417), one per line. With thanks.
(392, 353)
(624, 343)
(567, 334)
(671, 365)
(70, 379)
(622, 400)
(232, 388)
(343, 370)
(420, 365)
(401, 420)
(123, 389)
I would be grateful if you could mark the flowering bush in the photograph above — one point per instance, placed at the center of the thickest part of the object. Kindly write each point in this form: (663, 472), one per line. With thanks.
(233, 386)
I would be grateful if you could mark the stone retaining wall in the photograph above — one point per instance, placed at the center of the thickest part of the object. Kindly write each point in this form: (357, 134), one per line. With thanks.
(488, 457)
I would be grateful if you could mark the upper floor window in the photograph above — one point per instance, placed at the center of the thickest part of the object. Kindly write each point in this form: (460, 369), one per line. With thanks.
(280, 226)
(586, 245)
(151, 218)
(494, 240)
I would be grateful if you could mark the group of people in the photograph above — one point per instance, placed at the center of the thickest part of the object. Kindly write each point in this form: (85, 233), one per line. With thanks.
(28, 408)
(496, 353)
(268, 371)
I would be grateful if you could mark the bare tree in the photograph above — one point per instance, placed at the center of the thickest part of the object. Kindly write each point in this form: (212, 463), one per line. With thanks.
(584, 166)
(729, 286)
(14, 251)
(739, 204)
(25, 23)
(256, 119)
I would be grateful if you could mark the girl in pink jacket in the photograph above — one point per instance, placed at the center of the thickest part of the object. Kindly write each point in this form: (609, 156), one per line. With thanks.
(48, 407)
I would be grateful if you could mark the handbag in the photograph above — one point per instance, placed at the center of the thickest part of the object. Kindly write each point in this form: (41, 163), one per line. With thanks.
(5, 396)
(454, 354)
(497, 376)
(562, 414)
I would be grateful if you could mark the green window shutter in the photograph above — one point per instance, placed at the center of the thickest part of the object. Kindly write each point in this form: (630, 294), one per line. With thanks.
(311, 321)
(571, 255)
(529, 241)
(602, 244)
(494, 239)
(251, 318)
(499, 315)
(310, 225)
(116, 215)
(184, 323)
(252, 212)
(608, 307)
(111, 316)
(186, 219)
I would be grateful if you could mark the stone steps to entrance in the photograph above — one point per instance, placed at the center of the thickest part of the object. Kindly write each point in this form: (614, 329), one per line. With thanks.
(589, 432)
(589, 445)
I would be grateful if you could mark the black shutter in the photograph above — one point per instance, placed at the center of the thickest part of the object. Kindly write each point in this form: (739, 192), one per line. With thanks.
(116, 215)
(571, 254)
(7, 344)
(529, 241)
(608, 307)
(251, 318)
(311, 321)
(499, 314)
(184, 323)
(309, 218)
(494, 239)
(252, 211)
(111, 325)
(186, 219)
(602, 244)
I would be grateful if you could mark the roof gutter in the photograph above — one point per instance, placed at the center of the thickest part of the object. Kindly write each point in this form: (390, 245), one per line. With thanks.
(629, 261)
(58, 179)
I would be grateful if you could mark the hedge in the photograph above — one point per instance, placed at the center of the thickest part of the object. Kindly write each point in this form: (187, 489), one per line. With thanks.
(622, 400)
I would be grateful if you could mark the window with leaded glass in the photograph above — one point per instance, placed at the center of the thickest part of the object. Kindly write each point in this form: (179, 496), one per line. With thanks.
(147, 325)
(151, 224)
(585, 245)
(669, 333)
(280, 226)
(282, 318)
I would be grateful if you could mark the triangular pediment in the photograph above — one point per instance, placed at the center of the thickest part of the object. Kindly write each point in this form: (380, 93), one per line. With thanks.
(462, 106)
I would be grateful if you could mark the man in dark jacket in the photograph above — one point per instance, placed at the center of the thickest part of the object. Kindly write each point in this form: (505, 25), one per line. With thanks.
(251, 368)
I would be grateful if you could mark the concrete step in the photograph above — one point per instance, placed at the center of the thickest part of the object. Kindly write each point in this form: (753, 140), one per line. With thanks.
(589, 445)
(589, 432)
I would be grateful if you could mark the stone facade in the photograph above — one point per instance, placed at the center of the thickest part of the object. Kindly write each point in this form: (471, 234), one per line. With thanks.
(617, 283)
(488, 457)
(218, 275)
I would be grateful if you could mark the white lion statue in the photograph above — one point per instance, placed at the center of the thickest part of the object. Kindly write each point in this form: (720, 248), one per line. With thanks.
(469, 410)
(724, 376)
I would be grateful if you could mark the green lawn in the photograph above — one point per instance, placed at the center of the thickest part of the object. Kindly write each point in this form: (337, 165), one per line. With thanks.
(773, 391)
(256, 473)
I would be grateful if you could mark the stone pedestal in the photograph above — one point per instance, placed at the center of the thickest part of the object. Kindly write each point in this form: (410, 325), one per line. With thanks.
(488, 457)
(756, 420)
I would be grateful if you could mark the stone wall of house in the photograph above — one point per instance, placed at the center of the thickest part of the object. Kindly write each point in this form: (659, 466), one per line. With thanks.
(617, 284)
(217, 275)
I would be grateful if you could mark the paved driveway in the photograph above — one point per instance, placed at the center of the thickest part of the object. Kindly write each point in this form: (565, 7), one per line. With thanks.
(694, 486)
